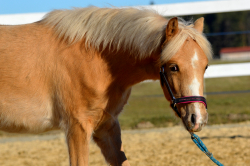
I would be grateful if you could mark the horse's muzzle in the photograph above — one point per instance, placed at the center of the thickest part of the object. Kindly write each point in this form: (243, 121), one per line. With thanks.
(195, 117)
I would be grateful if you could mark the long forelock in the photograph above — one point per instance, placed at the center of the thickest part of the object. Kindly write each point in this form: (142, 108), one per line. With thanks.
(185, 30)
(140, 31)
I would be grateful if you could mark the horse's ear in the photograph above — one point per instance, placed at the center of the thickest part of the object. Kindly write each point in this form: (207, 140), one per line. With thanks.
(172, 28)
(199, 24)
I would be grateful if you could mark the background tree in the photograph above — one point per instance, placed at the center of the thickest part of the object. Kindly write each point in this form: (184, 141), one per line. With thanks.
(218, 26)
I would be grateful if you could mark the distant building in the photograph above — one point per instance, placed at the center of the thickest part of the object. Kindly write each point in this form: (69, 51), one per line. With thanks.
(235, 53)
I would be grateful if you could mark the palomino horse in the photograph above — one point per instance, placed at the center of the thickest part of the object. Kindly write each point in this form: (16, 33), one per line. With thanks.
(74, 70)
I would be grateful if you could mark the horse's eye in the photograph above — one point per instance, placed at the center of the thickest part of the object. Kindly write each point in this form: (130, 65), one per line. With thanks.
(174, 68)
(206, 67)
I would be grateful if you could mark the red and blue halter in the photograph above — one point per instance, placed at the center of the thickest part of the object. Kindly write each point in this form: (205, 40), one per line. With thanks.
(186, 99)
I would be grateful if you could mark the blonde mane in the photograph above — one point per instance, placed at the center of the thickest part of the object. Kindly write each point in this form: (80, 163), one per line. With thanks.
(140, 31)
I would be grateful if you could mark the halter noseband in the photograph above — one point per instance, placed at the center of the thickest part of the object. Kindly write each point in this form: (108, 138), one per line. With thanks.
(186, 99)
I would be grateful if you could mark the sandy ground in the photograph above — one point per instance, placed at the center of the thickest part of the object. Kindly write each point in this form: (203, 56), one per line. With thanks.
(230, 144)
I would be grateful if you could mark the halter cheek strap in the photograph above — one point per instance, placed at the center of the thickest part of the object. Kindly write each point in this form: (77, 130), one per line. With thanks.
(182, 100)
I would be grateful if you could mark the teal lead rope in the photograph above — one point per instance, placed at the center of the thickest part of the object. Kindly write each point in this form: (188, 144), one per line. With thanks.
(196, 139)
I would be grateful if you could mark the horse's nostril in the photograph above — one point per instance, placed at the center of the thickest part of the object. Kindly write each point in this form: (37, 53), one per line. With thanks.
(193, 119)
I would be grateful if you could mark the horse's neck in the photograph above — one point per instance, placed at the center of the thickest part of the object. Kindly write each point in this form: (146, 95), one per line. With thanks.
(128, 71)
(125, 73)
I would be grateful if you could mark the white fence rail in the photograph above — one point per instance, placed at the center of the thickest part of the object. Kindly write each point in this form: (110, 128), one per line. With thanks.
(203, 7)
(16, 19)
(228, 70)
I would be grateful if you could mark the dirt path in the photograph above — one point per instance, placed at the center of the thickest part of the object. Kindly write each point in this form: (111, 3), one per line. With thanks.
(230, 144)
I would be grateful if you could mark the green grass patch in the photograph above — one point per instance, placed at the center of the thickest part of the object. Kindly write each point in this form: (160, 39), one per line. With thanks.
(154, 109)
(230, 108)
(214, 62)
(227, 84)
(148, 104)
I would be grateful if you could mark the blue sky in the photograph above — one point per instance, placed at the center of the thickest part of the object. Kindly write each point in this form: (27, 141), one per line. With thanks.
(31, 6)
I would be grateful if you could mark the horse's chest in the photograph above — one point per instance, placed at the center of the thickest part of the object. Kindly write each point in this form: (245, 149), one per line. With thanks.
(117, 103)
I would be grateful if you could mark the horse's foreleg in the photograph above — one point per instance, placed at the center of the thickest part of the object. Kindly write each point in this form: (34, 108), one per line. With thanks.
(78, 137)
(108, 138)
